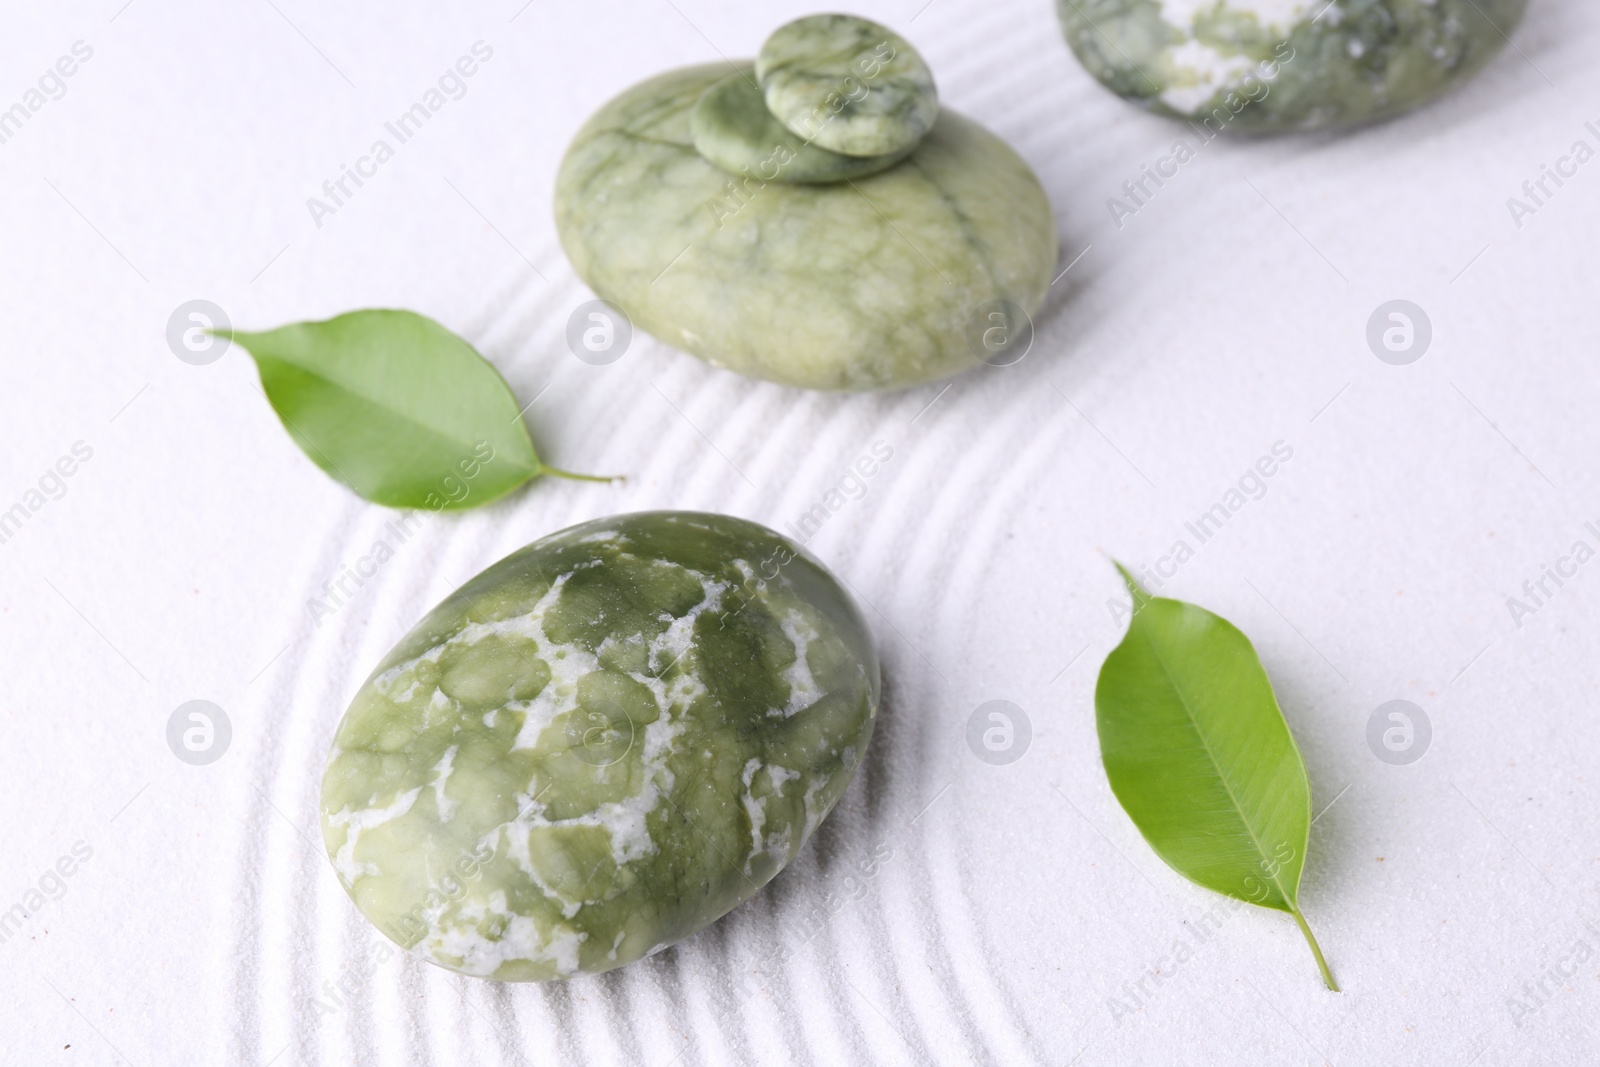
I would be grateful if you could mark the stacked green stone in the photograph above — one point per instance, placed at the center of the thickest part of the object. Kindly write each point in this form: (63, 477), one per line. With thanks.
(1266, 66)
(813, 218)
(599, 745)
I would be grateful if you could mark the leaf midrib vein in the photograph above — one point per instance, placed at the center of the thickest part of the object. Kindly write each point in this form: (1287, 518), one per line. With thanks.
(366, 398)
(1227, 786)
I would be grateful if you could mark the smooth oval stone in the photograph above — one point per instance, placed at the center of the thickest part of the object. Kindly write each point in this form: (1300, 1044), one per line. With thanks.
(1265, 66)
(599, 745)
(866, 284)
(847, 85)
(733, 129)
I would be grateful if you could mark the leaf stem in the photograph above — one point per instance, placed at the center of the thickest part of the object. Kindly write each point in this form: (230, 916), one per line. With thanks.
(1316, 950)
(545, 468)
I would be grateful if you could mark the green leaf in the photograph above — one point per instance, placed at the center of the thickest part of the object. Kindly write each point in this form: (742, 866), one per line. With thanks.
(398, 408)
(1200, 757)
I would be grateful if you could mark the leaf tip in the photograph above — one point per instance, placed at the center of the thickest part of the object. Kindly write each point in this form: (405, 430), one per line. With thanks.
(1140, 597)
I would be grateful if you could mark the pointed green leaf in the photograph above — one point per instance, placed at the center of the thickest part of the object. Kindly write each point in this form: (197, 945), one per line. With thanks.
(1200, 757)
(396, 407)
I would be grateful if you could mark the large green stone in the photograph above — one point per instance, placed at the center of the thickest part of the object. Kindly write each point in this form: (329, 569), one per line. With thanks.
(599, 745)
(865, 284)
(1263, 66)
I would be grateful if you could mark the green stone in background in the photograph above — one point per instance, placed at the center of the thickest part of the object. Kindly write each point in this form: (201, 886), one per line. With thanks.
(733, 129)
(1264, 66)
(599, 745)
(847, 85)
(865, 284)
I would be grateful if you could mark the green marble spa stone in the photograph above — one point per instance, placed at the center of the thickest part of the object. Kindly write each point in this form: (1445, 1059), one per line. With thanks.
(865, 283)
(847, 85)
(1265, 66)
(599, 745)
(732, 128)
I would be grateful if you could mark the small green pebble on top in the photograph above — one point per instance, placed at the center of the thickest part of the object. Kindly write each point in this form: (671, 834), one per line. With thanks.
(733, 129)
(848, 85)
